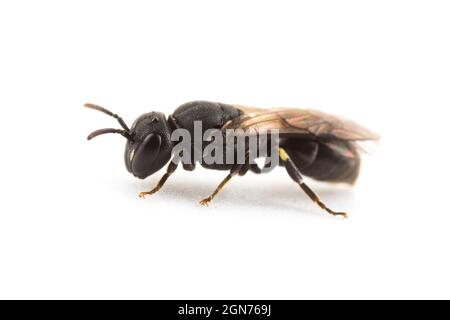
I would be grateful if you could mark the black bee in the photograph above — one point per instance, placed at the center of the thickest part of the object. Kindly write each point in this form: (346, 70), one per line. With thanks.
(311, 143)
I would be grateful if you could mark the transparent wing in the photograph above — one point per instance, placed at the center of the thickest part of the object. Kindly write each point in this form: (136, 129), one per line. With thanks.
(300, 122)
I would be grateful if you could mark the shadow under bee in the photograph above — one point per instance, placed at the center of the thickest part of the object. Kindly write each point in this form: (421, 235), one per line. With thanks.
(281, 198)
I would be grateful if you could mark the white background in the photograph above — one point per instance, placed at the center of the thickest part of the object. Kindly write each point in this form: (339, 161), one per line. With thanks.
(71, 224)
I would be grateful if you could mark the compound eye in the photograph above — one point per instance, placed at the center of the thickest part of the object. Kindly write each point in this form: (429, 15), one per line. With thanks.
(146, 154)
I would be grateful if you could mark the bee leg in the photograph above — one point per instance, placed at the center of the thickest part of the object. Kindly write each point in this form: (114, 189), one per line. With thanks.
(205, 202)
(170, 169)
(295, 174)
(240, 169)
(233, 172)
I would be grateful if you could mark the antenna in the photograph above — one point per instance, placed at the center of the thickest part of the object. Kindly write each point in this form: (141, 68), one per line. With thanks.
(110, 130)
(109, 113)
(125, 132)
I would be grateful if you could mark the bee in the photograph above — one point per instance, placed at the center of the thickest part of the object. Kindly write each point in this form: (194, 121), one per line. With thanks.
(311, 143)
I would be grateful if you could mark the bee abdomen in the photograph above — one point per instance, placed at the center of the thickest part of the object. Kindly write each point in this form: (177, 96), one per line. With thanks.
(336, 161)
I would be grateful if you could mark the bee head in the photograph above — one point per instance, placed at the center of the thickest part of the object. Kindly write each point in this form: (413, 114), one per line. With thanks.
(148, 147)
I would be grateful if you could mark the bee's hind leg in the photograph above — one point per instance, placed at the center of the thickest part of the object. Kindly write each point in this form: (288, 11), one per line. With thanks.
(295, 174)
